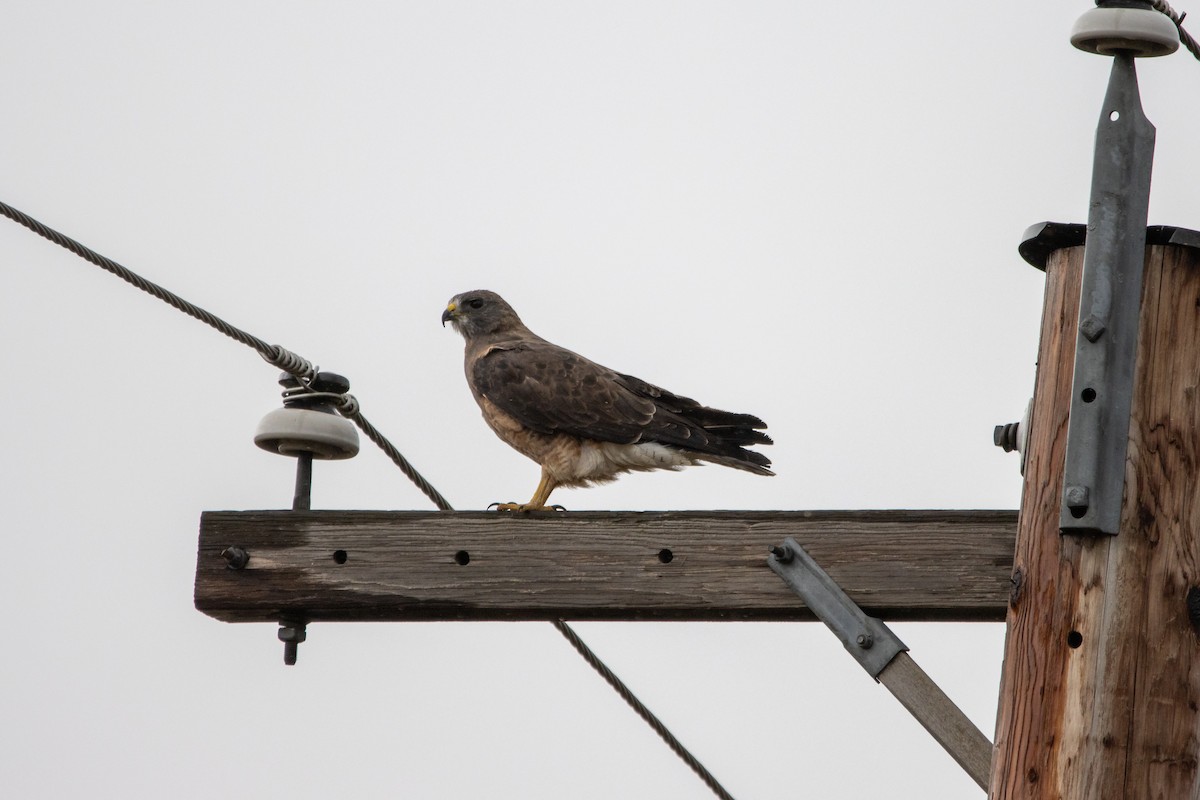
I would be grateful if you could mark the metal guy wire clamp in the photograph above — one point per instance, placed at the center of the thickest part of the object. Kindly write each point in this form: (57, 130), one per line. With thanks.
(885, 658)
(867, 639)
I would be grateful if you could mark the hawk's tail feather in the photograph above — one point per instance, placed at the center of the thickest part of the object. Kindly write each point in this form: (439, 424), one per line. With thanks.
(726, 423)
(746, 460)
(716, 418)
(728, 429)
(727, 445)
(740, 436)
(708, 433)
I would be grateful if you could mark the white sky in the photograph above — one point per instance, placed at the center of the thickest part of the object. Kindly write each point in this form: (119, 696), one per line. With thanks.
(806, 211)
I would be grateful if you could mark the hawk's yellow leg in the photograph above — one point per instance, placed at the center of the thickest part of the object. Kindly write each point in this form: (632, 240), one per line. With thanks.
(538, 501)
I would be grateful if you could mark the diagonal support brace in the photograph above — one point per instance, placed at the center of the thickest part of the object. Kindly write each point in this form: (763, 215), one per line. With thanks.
(885, 658)
(867, 639)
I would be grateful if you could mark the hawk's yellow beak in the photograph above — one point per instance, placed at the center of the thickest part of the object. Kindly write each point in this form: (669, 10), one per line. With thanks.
(448, 314)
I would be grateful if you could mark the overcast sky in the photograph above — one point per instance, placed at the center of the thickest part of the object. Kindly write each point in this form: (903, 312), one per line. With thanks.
(805, 211)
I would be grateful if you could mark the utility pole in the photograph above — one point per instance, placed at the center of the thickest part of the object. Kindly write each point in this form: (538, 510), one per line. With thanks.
(1100, 689)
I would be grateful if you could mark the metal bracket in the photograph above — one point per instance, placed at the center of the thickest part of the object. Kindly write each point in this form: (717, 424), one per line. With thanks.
(883, 656)
(1109, 309)
(867, 639)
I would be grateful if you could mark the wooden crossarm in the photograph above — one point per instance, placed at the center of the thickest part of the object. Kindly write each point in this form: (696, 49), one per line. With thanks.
(675, 565)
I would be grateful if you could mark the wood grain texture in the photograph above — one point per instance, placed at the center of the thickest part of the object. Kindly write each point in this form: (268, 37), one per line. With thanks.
(938, 714)
(898, 565)
(1101, 680)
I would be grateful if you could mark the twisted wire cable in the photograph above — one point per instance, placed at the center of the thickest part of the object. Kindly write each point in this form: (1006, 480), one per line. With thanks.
(348, 407)
(272, 353)
(1185, 38)
(642, 711)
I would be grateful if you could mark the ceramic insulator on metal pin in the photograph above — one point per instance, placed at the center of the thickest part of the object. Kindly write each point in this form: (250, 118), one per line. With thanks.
(1131, 27)
(309, 424)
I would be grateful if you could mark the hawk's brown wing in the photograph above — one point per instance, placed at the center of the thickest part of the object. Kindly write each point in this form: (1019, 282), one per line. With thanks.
(552, 390)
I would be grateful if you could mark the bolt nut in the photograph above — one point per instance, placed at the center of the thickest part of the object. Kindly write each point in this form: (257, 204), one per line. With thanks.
(292, 633)
(1092, 327)
(1008, 436)
(865, 640)
(235, 557)
(783, 555)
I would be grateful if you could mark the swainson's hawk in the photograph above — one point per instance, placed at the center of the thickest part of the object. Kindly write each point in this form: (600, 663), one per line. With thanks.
(584, 423)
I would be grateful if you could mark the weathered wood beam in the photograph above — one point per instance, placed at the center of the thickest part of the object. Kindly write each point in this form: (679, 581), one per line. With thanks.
(938, 714)
(699, 566)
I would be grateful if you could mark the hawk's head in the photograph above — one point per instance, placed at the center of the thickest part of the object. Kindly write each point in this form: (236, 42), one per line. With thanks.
(480, 312)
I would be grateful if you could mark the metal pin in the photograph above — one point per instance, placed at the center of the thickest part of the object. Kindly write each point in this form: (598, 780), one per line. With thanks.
(291, 634)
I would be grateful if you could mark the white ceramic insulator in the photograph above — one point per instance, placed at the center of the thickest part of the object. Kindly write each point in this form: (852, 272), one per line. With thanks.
(292, 431)
(1023, 434)
(1140, 31)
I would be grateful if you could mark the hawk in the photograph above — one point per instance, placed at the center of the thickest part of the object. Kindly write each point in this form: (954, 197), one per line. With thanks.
(584, 423)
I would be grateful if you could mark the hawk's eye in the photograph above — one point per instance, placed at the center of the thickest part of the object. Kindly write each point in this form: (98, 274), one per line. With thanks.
(476, 303)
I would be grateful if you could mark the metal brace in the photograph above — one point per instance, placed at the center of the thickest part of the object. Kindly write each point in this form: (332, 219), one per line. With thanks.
(1109, 310)
(867, 639)
(883, 656)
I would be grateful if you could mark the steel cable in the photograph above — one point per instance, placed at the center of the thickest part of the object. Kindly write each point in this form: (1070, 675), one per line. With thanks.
(642, 711)
(272, 353)
(1185, 38)
(349, 409)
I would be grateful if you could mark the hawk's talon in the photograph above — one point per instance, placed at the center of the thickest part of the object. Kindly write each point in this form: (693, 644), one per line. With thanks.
(523, 508)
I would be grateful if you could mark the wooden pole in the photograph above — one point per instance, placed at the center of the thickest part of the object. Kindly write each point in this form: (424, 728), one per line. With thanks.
(1100, 689)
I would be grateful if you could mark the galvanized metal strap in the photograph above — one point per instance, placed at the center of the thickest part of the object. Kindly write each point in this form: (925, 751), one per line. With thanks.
(1109, 310)
(867, 639)
(881, 653)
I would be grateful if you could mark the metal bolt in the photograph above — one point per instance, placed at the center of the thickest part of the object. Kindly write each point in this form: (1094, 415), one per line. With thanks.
(1092, 327)
(291, 634)
(1077, 499)
(1008, 436)
(235, 557)
(866, 641)
(783, 555)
